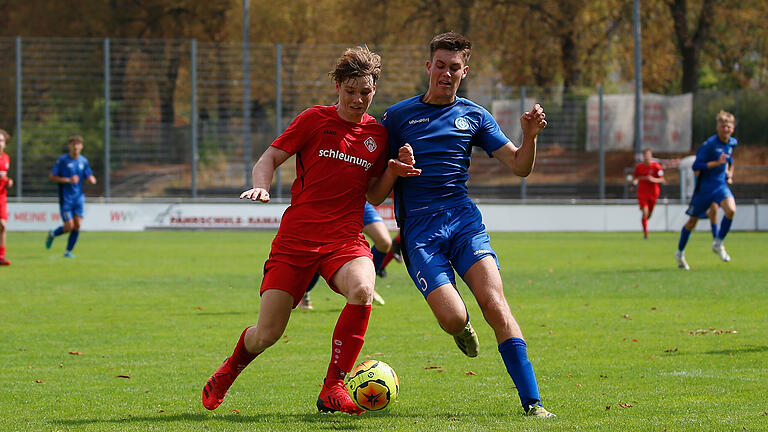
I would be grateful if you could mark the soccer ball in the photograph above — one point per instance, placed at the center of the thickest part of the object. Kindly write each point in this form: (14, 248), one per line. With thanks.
(373, 385)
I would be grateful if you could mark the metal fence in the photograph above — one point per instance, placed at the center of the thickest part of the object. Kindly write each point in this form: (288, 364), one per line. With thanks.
(181, 118)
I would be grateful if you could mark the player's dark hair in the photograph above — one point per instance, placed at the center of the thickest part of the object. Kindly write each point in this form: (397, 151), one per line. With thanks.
(452, 42)
(5, 134)
(355, 63)
(75, 139)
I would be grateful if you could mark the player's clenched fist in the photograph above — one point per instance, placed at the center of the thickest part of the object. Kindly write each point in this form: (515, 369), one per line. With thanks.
(403, 165)
(533, 121)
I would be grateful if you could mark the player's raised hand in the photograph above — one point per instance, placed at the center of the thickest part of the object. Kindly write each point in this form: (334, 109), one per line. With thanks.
(256, 194)
(403, 165)
(533, 121)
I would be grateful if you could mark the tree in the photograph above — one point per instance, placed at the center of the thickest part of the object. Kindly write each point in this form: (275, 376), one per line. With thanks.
(691, 37)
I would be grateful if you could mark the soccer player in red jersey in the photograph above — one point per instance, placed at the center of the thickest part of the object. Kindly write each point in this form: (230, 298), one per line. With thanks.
(648, 175)
(5, 183)
(340, 162)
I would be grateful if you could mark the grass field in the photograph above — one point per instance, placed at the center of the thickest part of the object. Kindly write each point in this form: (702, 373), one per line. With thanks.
(123, 337)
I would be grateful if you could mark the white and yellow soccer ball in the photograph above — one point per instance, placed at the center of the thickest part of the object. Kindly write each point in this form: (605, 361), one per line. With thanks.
(373, 385)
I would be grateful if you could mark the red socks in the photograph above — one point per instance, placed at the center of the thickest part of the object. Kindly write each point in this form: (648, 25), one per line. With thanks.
(2, 252)
(645, 226)
(241, 357)
(348, 339)
(390, 255)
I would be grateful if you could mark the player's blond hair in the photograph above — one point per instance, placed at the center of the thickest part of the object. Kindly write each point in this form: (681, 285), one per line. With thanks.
(725, 117)
(357, 62)
(452, 42)
(5, 134)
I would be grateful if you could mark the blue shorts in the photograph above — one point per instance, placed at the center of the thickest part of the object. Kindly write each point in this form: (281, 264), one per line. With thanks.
(370, 215)
(701, 201)
(69, 208)
(436, 244)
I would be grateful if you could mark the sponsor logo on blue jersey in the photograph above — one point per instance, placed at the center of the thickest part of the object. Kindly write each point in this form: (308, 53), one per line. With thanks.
(461, 123)
(421, 120)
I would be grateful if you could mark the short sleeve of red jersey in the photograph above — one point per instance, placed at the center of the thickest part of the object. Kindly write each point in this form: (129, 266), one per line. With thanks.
(381, 163)
(659, 170)
(297, 134)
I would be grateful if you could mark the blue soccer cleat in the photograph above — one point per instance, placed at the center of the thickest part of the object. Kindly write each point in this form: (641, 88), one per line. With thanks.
(49, 239)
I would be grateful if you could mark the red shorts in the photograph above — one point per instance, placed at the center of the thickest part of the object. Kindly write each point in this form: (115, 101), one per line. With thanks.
(292, 264)
(3, 208)
(647, 200)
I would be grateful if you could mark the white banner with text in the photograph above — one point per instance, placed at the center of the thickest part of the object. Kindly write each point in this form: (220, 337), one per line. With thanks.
(668, 216)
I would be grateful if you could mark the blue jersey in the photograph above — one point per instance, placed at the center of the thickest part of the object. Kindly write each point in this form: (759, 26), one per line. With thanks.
(442, 137)
(710, 179)
(68, 167)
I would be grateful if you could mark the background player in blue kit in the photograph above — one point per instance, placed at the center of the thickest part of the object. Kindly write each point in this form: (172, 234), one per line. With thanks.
(70, 172)
(712, 163)
(441, 229)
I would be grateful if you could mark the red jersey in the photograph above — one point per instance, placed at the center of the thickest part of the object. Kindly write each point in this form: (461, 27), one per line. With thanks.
(334, 161)
(647, 187)
(5, 165)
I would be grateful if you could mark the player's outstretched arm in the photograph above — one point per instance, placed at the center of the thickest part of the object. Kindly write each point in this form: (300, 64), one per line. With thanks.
(262, 173)
(380, 188)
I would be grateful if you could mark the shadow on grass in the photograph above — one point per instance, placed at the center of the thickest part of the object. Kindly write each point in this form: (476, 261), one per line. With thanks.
(221, 313)
(318, 421)
(743, 350)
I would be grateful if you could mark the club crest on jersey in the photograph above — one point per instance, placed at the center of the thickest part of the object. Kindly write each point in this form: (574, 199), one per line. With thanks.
(461, 123)
(370, 144)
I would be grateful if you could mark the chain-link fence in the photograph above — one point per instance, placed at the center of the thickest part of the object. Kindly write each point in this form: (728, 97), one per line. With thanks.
(180, 118)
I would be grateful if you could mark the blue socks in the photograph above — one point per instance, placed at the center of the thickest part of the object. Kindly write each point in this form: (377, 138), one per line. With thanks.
(378, 258)
(58, 231)
(684, 234)
(714, 230)
(313, 282)
(515, 355)
(725, 226)
(72, 239)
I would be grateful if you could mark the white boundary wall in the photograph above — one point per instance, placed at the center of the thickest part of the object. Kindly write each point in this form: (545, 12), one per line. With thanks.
(497, 217)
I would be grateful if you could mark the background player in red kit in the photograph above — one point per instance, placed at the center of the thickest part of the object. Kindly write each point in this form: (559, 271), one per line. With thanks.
(340, 161)
(5, 183)
(648, 175)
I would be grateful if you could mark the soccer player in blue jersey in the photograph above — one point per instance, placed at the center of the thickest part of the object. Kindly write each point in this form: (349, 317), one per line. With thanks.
(714, 164)
(70, 172)
(441, 229)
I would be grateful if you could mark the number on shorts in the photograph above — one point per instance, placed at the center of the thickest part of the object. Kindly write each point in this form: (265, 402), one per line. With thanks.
(422, 282)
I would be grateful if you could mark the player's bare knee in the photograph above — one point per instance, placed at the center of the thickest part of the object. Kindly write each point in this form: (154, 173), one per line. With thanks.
(730, 213)
(361, 293)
